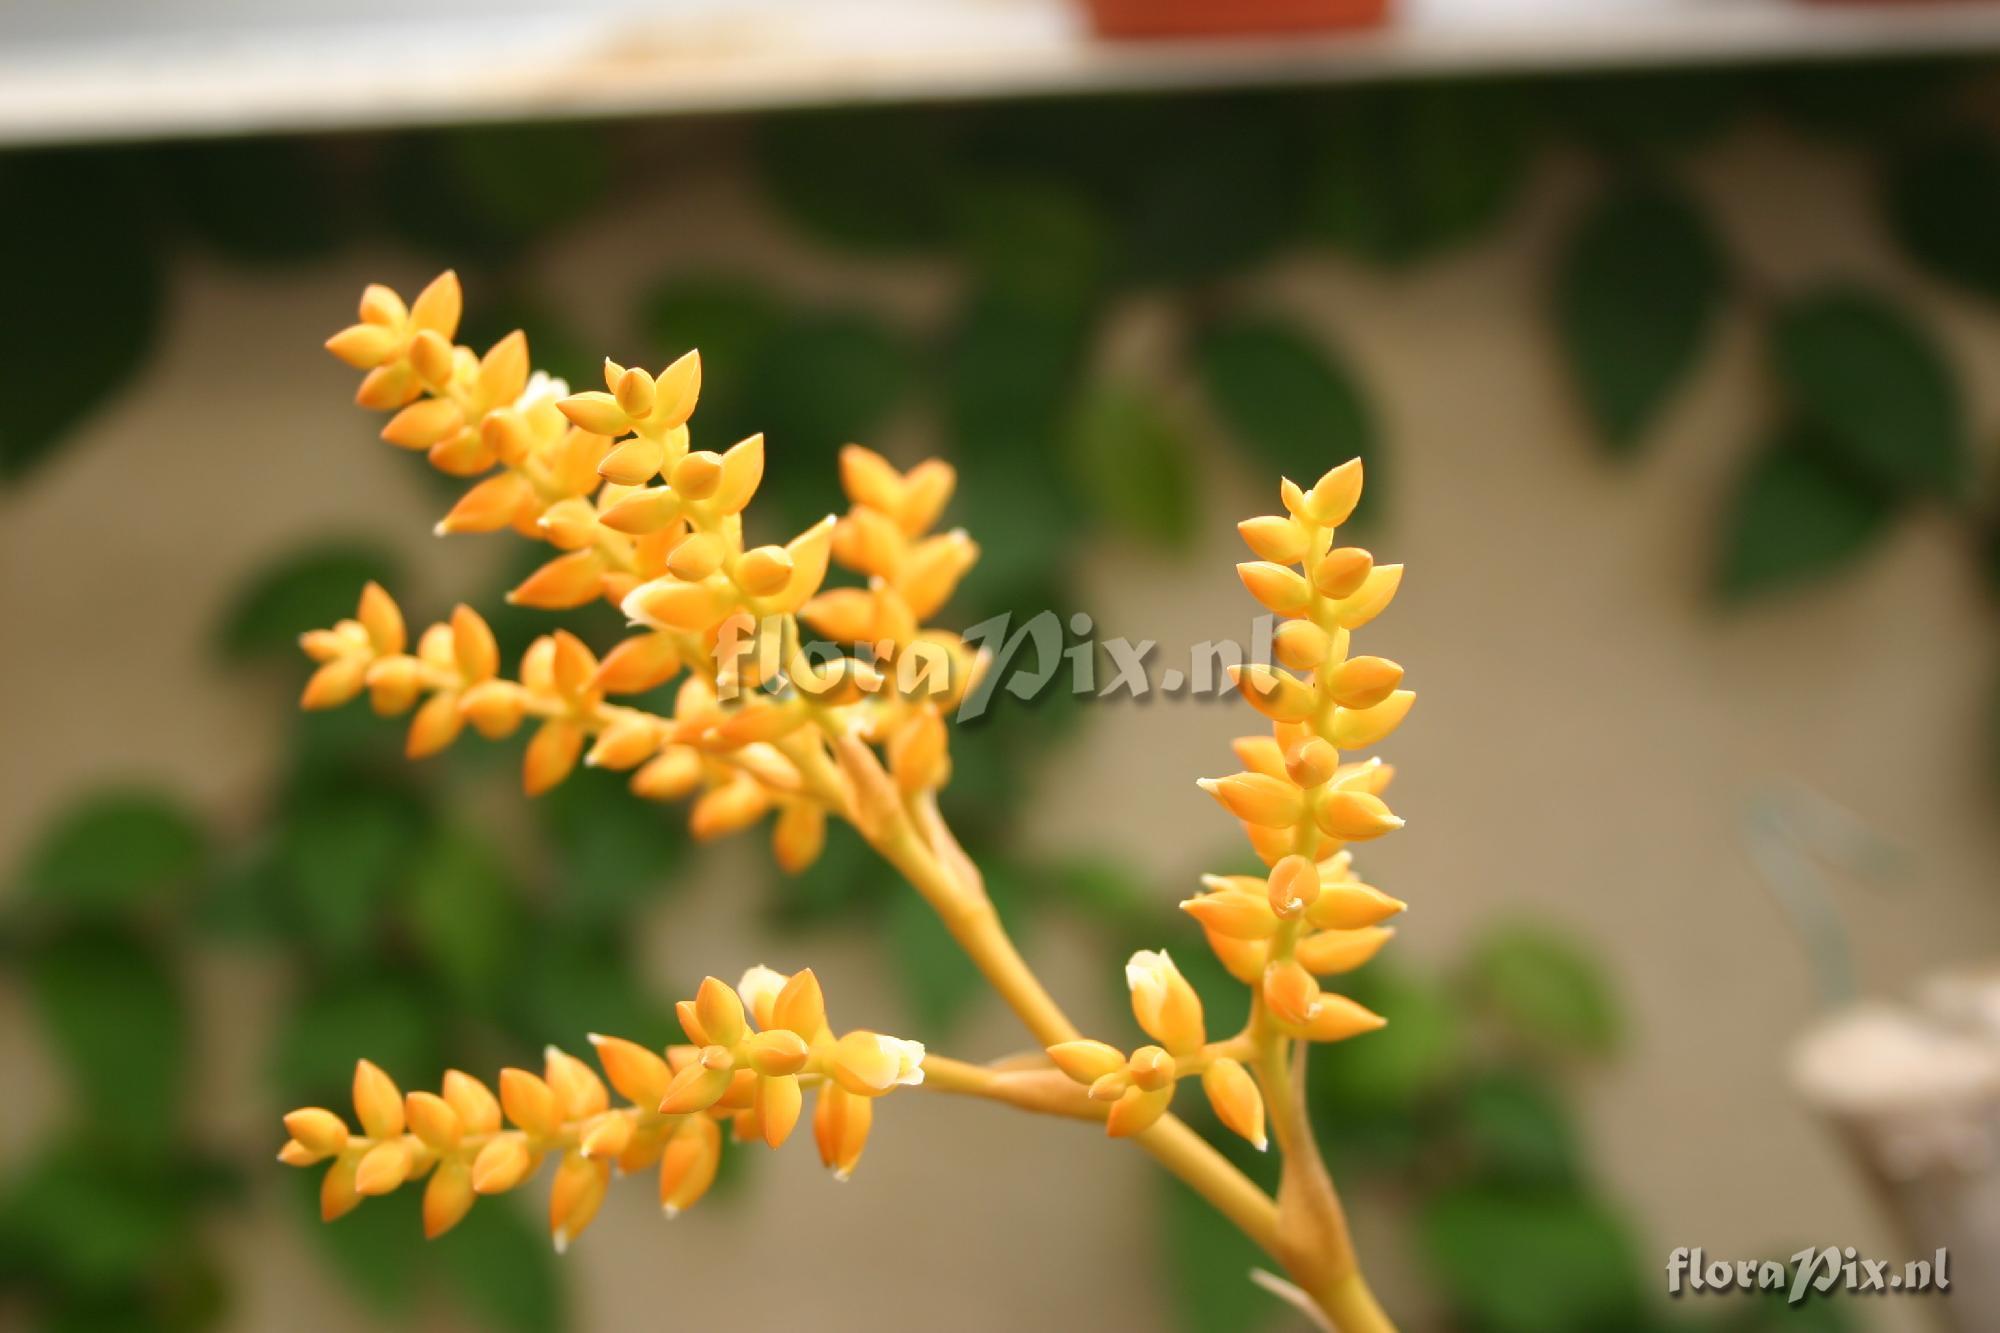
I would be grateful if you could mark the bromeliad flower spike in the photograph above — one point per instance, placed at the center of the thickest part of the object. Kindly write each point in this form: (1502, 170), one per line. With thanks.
(760, 726)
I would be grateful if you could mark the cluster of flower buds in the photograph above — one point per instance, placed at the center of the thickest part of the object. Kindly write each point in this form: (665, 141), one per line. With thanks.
(1140, 1085)
(609, 478)
(1299, 803)
(753, 1078)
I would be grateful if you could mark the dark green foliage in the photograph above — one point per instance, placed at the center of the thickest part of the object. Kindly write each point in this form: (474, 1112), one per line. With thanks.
(1636, 293)
(117, 851)
(1942, 197)
(308, 589)
(1292, 402)
(1800, 513)
(1544, 989)
(1133, 466)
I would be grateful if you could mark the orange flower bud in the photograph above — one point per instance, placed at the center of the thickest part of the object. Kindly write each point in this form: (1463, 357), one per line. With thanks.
(764, 570)
(1355, 816)
(1237, 1102)
(1086, 1061)
(1300, 645)
(638, 664)
(1275, 538)
(564, 582)
(1275, 694)
(677, 392)
(1357, 728)
(869, 1064)
(799, 835)
(1137, 1110)
(1312, 763)
(779, 1102)
(550, 756)
(579, 1092)
(1293, 885)
(319, 1130)
(383, 1168)
(1351, 906)
(1290, 992)
(728, 809)
(335, 683)
(478, 1109)
(1338, 1018)
(1164, 1003)
(529, 1102)
(669, 777)
(1241, 916)
(800, 1006)
(473, 644)
(742, 472)
(494, 707)
(448, 1197)
(435, 726)
(688, 1165)
(433, 1121)
(624, 744)
(1256, 798)
(393, 684)
(424, 423)
(366, 346)
(439, 305)
(575, 1196)
(1342, 571)
(869, 480)
(640, 1075)
(697, 476)
(501, 1165)
(720, 1011)
(917, 752)
(1333, 496)
(378, 1103)
(1279, 588)
(840, 1128)
(595, 412)
(337, 1194)
(1334, 951)
(931, 573)
(1371, 599)
(699, 1086)
(607, 1137)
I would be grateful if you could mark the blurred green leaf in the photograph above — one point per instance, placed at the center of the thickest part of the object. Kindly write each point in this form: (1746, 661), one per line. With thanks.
(1800, 513)
(375, 1249)
(1133, 465)
(824, 379)
(583, 981)
(1531, 1262)
(1372, 1074)
(1401, 172)
(1098, 888)
(259, 201)
(504, 1270)
(1208, 1267)
(729, 319)
(483, 194)
(1291, 401)
(554, 345)
(82, 249)
(1637, 291)
(308, 589)
(118, 1024)
(873, 179)
(1513, 1128)
(1874, 383)
(1942, 197)
(613, 853)
(1217, 183)
(1033, 242)
(116, 850)
(343, 859)
(466, 916)
(353, 1017)
(1628, 113)
(87, 1219)
(1543, 987)
(938, 984)
(848, 877)
(1861, 100)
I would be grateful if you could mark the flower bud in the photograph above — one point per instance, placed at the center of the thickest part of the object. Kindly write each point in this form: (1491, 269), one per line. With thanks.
(1278, 587)
(1164, 1003)
(1237, 1102)
(1354, 816)
(1334, 951)
(1292, 886)
(1351, 906)
(1341, 571)
(378, 1103)
(1257, 799)
(501, 1165)
(1275, 538)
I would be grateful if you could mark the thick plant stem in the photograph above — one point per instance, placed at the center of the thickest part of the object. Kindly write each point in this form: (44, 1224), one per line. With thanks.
(1352, 1306)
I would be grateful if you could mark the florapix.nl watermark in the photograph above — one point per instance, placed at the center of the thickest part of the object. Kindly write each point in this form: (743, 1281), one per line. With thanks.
(1026, 658)
(1813, 1270)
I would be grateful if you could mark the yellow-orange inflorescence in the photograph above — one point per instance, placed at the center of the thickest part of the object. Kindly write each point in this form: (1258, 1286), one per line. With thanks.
(852, 727)
(757, 1050)
(1299, 803)
(642, 520)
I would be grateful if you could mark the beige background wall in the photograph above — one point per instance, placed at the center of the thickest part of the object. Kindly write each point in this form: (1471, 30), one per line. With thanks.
(1587, 732)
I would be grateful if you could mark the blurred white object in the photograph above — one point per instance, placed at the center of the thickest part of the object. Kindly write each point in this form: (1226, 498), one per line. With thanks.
(122, 69)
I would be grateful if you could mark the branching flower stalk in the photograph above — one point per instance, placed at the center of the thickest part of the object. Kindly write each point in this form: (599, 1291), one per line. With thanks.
(765, 723)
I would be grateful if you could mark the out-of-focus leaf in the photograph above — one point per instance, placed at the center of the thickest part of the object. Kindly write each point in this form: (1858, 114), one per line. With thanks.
(81, 247)
(1403, 172)
(1543, 987)
(384, 1019)
(728, 319)
(824, 379)
(1291, 401)
(613, 852)
(1637, 291)
(259, 201)
(504, 1270)
(117, 1022)
(938, 983)
(1864, 101)
(117, 850)
(1942, 197)
(87, 1219)
(466, 916)
(1099, 888)
(1033, 242)
(342, 861)
(1531, 1262)
(1208, 1267)
(848, 877)
(870, 180)
(581, 982)
(1513, 1128)
(554, 345)
(1133, 466)
(1800, 513)
(309, 589)
(1375, 1074)
(485, 193)
(1629, 113)
(376, 1249)
(1877, 387)
(1217, 186)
